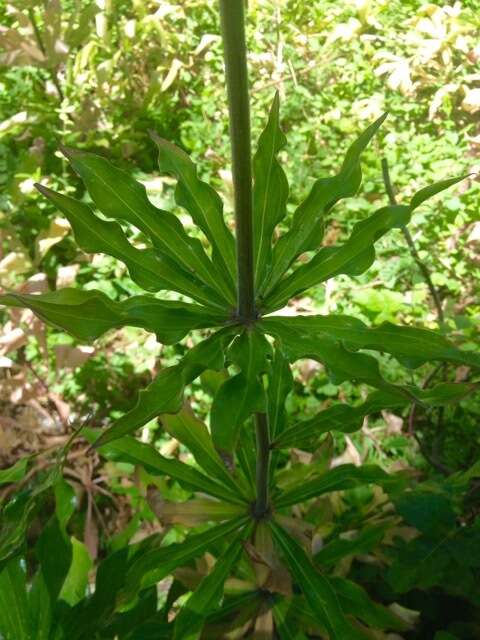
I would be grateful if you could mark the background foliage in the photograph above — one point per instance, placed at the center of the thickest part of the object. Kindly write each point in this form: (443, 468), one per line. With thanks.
(99, 76)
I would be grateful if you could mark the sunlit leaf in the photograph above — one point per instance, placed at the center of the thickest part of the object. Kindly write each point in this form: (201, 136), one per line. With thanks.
(89, 314)
(202, 202)
(15, 623)
(119, 196)
(270, 192)
(148, 269)
(306, 229)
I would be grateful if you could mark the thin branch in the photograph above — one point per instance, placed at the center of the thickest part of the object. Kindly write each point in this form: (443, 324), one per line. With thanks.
(413, 249)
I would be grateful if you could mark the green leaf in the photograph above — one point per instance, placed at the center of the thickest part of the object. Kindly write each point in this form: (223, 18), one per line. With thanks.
(242, 394)
(280, 384)
(285, 626)
(119, 196)
(15, 473)
(306, 230)
(409, 345)
(15, 621)
(206, 598)
(355, 601)
(54, 553)
(316, 588)
(88, 314)
(156, 564)
(75, 585)
(131, 450)
(298, 342)
(346, 419)
(203, 204)
(367, 539)
(345, 476)
(353, 257)
(149, 270)
(270, 192)
(165, 393)
(427, 192)
(193, 433)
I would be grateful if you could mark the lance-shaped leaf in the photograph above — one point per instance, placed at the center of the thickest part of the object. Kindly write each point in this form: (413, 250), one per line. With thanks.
(119, 196)
(409, 345)
(206, 598)
(150, 270)
(346, 476)
(131, 450)
(193, 433)
(356, 254)
(15, 622)
(202, 202)
(242, 394)
(341, 364)
(286, 624)
(316, 588)
(165, 393)
(305, 232)
(270, 192)
(153, 566)
(280, 384)
(88, 314)
(347, 419)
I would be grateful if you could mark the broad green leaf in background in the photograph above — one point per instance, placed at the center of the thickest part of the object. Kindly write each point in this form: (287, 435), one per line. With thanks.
(202, 202)
(15, 623)
(315, 587)
(206, 598)
(270, 192)
(165, 393)
(306, 229)
(119, 196)
(345, 476)
(89, 314)
(150, 271)
(242, 394)
(409, 345)
(153, 566)
(193, 433)
(129, 449)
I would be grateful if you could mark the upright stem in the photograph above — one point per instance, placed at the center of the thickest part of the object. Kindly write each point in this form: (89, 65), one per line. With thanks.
(235, 55)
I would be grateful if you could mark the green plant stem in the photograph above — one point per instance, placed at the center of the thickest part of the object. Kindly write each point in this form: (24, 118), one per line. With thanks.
(413, 249)
(235, 55)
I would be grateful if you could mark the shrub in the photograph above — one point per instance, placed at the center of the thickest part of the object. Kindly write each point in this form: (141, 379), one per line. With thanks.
(251, 508)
